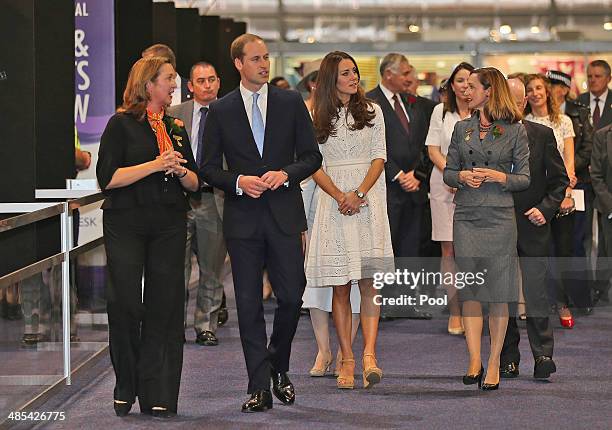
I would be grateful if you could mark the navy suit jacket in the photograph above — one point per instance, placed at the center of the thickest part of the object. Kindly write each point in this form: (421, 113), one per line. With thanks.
(606, 116)
(405, 151)
(289, 144)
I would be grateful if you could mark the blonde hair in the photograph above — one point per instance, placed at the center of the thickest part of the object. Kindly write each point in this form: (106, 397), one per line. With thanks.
(554, 114)
(501, 104)
(135, 95)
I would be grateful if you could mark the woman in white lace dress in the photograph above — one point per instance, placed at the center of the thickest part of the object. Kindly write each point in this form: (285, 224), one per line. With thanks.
(350, 238)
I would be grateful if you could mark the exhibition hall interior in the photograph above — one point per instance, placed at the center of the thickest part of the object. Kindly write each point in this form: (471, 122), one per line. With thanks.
(340, 214)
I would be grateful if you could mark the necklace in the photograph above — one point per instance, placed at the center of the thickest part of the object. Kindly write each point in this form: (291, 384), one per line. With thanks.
(484, 128)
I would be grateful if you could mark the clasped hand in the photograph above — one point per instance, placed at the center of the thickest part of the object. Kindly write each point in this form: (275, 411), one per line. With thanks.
(409, 182)
(170, 162)
(475, 177)
(254, 186)
(349, 203)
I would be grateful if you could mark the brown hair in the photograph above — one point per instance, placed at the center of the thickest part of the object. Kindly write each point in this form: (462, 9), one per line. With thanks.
(135, 96)
(327, 104)
(160, 50)
(501, 104)
(551, 106)
(237, 48)
(518, 75)
(451, 99)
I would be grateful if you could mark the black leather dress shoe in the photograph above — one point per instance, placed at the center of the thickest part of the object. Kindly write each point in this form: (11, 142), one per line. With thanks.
(544, 366)
(282, 387)
(260, 401)
(207, 338)
(162, 413)
(122, 409)
(222, 317)
(510, 370)
(416, 314)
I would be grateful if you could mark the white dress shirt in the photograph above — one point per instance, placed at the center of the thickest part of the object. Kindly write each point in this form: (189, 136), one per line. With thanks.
(602, 102)
(389, 95)
(262, 102)
(176, 95)
(195, 127)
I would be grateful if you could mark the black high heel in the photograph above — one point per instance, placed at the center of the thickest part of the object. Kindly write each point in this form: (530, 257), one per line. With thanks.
(474, 379)
(122, 409)
(489, 387)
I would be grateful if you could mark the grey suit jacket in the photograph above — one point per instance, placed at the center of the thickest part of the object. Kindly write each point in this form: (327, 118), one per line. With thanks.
(508, 152)
(184, 112)
(601, 169)
(606, 116)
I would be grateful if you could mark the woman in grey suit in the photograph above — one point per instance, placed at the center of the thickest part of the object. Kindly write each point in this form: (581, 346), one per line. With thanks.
(488, 160)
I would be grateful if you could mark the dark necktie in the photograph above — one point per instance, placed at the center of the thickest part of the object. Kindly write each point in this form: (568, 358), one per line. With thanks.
(203, 113)
(596, 113)
(400, 113)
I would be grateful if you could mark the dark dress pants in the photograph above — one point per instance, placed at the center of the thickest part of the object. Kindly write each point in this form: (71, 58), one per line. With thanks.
(533, 246)
(146, 333)
(282, 256)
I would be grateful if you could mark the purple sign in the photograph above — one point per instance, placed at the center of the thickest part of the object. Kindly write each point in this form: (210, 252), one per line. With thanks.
(94, 67)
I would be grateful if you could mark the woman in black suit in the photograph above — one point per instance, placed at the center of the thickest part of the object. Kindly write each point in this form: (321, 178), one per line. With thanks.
(488, 160)
(145, 166)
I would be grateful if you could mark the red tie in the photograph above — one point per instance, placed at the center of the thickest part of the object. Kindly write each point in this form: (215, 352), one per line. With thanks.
(401, 114)
(596, 113)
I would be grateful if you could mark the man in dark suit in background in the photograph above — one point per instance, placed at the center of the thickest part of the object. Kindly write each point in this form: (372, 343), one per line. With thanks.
(601, 176)
(599, 97)
(534, 209)
(266, 136)
(407, 167)
(204, 221)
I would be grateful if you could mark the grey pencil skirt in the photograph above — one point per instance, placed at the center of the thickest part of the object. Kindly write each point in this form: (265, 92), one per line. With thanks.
(484, 239)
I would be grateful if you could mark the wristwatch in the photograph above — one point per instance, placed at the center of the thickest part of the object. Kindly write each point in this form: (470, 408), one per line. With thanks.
(360, 194)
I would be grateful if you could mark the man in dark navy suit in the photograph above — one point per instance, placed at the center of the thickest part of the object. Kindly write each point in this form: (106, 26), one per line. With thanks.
(407, 168)
(534, 208)
(267, 139)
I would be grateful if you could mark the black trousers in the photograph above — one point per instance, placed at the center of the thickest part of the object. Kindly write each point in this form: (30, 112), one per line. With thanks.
(405, 219)
(146, 333)
(533, 245)
(282, 256)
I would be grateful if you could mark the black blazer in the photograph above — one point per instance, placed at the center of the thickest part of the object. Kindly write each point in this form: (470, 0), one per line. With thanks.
(289, 144)
(548, 175)
(601, 169)
(128, 141)
(606, 116)
(405, 151)
(583, 142)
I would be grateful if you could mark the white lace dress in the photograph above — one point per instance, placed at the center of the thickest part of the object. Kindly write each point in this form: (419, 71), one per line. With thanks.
(344, 248)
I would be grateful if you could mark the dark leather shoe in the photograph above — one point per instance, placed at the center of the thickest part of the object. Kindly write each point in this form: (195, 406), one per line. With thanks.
(222, 317)
(510, 370)
(207, 338)
(162, 413)
(260, 401)
(544, 366)
(416, 314)
(122, 409)
(282, 387)
(489, 387)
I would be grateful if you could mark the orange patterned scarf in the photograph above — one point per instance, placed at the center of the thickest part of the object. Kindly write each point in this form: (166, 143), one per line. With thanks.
(163, 140)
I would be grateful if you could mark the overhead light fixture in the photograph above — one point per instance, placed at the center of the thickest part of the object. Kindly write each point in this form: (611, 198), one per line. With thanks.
(413, 28)
(535, 29)
(505, 29)
(608, 25)
(310, 39)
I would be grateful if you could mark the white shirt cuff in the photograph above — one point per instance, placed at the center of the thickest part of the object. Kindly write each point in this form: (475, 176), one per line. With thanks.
(238, 189)
(610, 215)
(401, 172)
